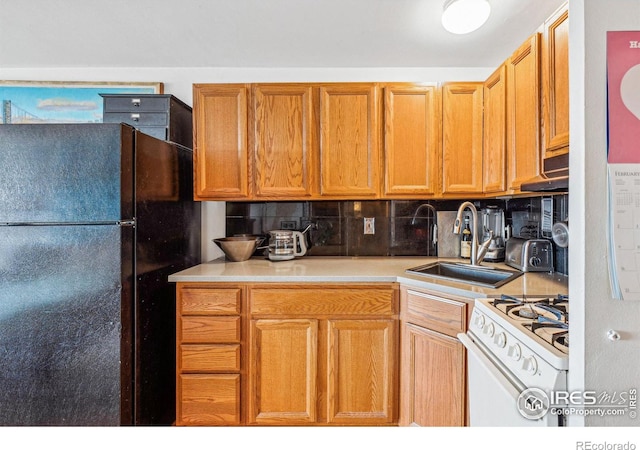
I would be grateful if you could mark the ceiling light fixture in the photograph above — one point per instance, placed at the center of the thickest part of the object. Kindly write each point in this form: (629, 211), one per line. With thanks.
(465, 16)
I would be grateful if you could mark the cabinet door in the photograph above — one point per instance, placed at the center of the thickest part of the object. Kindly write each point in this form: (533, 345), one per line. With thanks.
(495, 132)
(432, 383)
(555, 83)
(283, 371)
(411, 140)
(285, 141)
(361, 361)
(523, 113)
(349, 152)
(221, 162)
(462, 138)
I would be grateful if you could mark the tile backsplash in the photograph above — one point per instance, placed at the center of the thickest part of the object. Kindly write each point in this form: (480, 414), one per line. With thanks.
(338, 227)
(386, 228)
(526, 217)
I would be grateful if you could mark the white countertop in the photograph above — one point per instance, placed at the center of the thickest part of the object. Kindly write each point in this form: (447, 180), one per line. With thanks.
(346, 269)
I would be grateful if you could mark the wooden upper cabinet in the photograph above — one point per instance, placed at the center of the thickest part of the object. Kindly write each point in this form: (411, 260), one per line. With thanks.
(555, 83)
(523, 113)
(411, 140)
(284, 140)
(221, 161)
(349, 148)
(495, 132)
(462, 138)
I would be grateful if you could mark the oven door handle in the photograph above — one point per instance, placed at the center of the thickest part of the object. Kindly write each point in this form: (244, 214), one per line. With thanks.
(505, 380)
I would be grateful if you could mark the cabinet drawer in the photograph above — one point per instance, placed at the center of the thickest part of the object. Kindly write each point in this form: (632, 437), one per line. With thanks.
(210, 301)
(209, 358)
(436, 313)
(209, 399)
(313, 301)
(135, 103)
(137, 119)
(206, 329)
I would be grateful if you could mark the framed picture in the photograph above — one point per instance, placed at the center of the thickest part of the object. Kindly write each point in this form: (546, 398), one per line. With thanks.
(60, 101)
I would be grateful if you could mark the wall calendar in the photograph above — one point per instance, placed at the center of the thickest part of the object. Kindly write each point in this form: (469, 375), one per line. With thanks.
(623, 157)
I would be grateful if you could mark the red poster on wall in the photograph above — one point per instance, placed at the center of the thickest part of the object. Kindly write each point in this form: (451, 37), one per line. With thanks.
(623, 79)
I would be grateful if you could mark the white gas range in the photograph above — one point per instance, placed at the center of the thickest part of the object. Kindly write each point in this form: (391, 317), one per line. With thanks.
(518, 355)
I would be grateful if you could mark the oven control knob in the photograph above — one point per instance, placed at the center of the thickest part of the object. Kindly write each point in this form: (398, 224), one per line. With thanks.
(480, 321)
(489, 330)
(530, 365)
(515, 352)
(501, 340)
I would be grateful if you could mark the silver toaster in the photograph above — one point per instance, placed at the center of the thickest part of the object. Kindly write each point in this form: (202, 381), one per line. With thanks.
(529, 255)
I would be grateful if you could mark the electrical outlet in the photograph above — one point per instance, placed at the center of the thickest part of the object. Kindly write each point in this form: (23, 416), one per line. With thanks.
(369, 225)
(288, 224)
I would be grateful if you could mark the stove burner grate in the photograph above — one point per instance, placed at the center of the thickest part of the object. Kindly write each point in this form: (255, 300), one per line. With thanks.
(560, 339)
(544, 322)
(561, 298)
(507, 299)
(557, 306)
(552, 331)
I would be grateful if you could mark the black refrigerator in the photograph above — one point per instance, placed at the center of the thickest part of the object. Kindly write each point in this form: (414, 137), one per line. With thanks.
(93, 219)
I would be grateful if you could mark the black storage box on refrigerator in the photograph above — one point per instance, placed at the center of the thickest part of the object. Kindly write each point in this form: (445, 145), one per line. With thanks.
(162, 116)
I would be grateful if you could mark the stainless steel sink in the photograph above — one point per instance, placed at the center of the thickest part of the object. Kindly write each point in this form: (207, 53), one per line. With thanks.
(480, 276)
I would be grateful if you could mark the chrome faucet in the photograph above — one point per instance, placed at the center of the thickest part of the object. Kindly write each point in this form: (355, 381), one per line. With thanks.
(433, 232)
(477, 251)
(424, 205)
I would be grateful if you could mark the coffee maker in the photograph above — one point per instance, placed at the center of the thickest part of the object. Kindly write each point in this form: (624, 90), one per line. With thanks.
(493, 220)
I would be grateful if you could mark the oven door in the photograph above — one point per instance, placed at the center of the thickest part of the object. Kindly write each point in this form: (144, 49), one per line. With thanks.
(493, 391)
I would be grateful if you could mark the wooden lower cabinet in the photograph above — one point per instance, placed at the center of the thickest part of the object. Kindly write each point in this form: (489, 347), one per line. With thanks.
(209, 354)
(282, 387)
(433, 376)
(356, 384)
(433, 366)
(287, 354)
(361, 371)
(323, 354)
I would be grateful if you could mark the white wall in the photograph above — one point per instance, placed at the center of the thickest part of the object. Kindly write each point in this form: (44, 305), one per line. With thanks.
(179, 81)
(609, 366)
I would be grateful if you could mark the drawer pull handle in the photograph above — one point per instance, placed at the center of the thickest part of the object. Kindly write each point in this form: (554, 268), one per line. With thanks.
(135, 117)
(135, 102)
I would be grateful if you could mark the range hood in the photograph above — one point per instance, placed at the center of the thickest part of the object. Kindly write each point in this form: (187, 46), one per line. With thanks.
(544, 184)
(555, 176)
